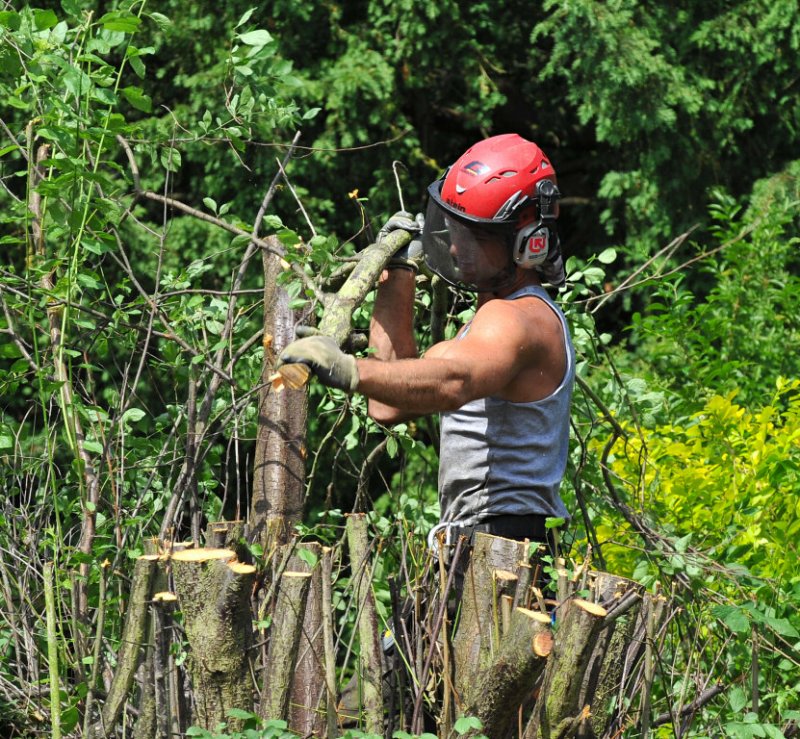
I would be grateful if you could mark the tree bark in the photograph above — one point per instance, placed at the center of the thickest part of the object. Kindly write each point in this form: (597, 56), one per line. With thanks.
(622, 599)
(134, 636)
(287, 623)
(476, 639)
(308, 684)
(279, 465)
(508, 682)
(558, 712)
(369, 658)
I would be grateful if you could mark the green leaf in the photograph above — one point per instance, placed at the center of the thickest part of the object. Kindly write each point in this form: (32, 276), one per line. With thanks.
(467, 723)
(171, 159)
(737, 699)
(245, 17)
(255, 38)
(44, 19)
(93, 446)
(239, 713)
(311, 113)
(733, 617)
(137, 98)
(782, 627)
(121, 21)
(607, 256)
(132, 415)
(10, 20)
(308, 557)
(211, 204)
(161, 20)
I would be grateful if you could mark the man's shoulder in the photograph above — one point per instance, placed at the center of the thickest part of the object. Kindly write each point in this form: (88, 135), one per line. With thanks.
(523, 307)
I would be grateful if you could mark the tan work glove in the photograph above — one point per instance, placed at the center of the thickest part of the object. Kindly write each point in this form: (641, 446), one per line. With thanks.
(409, 256)
(323, 357)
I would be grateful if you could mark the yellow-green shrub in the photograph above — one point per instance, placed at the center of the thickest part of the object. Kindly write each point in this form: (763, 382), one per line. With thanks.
(728, 477)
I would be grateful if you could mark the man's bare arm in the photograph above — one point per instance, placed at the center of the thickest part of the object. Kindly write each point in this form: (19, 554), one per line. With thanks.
(482, 363)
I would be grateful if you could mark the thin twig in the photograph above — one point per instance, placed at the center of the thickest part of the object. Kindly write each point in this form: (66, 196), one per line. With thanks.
(297, 199)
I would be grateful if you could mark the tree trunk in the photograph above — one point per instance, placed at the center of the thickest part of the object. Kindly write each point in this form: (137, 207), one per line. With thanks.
(279, 465)
(287, 623)
(308, 690)
(509, 680)
(493, 564)
(370, 666)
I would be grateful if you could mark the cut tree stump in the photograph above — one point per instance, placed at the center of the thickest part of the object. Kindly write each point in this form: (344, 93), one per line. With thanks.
(558, 712)
(306, 716)
(214, 591)
(508, 682)
(492, 573)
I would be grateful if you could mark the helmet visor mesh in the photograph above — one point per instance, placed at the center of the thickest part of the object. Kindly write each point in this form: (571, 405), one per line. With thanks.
(466, 255)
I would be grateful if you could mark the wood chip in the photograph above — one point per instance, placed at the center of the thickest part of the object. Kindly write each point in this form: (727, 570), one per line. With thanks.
(293, 376)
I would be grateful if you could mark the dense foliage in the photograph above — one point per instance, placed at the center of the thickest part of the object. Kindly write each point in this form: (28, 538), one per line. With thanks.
(140, 140)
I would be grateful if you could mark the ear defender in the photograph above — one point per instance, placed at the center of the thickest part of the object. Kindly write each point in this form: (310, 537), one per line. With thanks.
(534, 242)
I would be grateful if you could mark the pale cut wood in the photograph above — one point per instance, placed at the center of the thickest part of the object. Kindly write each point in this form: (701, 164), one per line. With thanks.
(594, 608)
(202, 555)
(240, 568)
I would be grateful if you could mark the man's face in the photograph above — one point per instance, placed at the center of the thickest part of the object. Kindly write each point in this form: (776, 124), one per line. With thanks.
(468, 255)
(481, 256)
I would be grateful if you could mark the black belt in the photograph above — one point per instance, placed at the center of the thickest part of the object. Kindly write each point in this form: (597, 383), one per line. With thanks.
(508, 526)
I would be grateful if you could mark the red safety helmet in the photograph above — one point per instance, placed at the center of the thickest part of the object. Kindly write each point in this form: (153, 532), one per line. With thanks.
(502, 187)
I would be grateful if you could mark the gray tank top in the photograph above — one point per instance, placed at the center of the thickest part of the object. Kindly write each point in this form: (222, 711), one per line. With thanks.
(497, 457)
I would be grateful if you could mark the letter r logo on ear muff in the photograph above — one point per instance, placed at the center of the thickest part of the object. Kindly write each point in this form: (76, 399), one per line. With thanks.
(533, 242)
(532, 245)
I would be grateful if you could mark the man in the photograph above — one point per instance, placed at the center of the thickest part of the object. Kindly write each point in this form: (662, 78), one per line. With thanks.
(503, 384)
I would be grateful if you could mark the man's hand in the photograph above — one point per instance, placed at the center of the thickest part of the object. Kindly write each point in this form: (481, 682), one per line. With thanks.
(410, 256)
(320, 353)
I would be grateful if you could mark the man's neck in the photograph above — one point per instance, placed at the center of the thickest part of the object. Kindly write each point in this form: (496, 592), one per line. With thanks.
(522, 278)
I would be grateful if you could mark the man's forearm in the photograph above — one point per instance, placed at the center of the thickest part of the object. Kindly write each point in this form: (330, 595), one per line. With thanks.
(391, 333)
(391, 330)
(407, 388)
